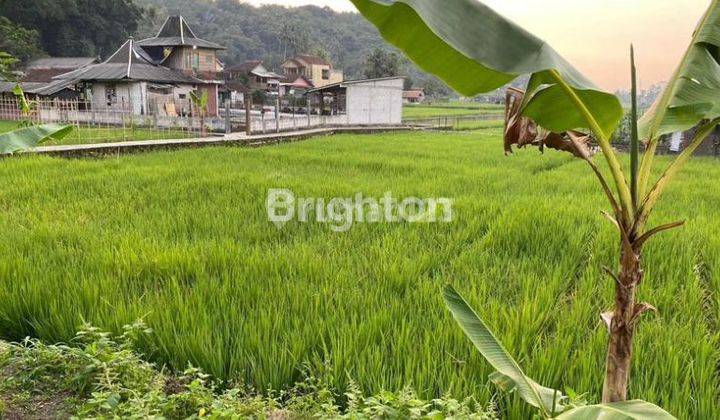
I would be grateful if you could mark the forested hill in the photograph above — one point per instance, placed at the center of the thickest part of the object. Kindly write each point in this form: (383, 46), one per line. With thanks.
(272, 33)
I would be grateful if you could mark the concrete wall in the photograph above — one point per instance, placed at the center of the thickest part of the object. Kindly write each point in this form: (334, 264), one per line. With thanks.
(375, 102)
(129, 97)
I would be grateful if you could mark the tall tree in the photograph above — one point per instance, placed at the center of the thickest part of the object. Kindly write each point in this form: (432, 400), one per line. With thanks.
(380, 63)
(20, 42)
(76, 27)
(7, 62)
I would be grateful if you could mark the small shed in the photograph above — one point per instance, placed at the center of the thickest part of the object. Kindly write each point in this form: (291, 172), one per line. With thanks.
(362, 102)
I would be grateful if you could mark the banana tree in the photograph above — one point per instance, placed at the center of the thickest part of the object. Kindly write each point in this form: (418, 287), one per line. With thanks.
(28, 137)
(200, 101)
(475, 50)
(509, 376)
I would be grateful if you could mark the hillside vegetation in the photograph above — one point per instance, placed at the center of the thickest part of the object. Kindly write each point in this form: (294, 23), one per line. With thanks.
(273, 33)
(181, 240)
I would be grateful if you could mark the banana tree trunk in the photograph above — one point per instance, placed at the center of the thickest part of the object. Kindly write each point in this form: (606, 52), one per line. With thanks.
(621, 324)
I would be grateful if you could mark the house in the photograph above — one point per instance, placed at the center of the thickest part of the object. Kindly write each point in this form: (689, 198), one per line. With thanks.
(131, 81)
(361, 102)
(254, 75)
(155, 75)
(296, 84)
(37, 80)
(43, 70)
(414, 96)
(317, 70)
(178, 48)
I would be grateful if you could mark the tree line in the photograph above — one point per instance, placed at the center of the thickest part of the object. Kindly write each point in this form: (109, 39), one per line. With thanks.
(269, 33)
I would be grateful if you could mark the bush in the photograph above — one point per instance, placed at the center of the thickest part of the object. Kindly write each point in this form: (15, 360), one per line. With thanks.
(104, 376)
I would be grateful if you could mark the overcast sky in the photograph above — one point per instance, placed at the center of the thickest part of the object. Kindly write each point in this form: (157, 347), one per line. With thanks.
(595, 35)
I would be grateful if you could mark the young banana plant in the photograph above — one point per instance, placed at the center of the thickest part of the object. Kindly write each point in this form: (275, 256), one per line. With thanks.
(509, 377)
(476, 50)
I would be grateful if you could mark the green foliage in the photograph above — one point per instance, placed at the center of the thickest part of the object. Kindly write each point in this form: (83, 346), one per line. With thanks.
(181, 239)
(28, 137)
(273, 33)
(76, 27)
(104, 376)
(259, 97)
(7, 63)
(475, 50)
(509, 377)
(18, 41)
(380, 63)
(692, 93)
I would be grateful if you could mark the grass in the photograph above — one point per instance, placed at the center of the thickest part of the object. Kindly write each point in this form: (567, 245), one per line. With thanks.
(182, 240)
(87, 135)
(450, 109)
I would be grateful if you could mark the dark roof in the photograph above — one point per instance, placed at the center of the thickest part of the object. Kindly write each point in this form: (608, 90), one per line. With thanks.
(236, 86)
(38, 88)
(69, 63)
(245, 67)
(312, 59)
(129, 63)
(46, 69)
(175, 32)
(345, 83)
(43, 75)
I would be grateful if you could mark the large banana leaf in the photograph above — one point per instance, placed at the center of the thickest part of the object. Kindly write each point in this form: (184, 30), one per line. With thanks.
(693, 92)
(474, 50)
(29, 137)
(626, 410)
(509, 375)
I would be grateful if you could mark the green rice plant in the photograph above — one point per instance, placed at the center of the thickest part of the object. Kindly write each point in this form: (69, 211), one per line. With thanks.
(181, 239)
(474, 49)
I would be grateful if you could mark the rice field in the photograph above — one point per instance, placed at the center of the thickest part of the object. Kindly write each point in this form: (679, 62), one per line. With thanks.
(450, 109)
(181, 239)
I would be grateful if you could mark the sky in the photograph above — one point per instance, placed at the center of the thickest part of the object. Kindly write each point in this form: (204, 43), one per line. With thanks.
(595, 35)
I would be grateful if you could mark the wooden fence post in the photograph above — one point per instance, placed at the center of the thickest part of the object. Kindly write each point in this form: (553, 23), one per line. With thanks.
(247, 98)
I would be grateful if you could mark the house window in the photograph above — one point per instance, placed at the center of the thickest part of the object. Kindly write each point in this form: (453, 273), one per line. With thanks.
(326, 74)
(209, 59)
(258, 79)
(196, 60)
(110, 94)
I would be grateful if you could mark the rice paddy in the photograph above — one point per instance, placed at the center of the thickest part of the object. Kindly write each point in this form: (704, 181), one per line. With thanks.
(450, 109)
(181, 239)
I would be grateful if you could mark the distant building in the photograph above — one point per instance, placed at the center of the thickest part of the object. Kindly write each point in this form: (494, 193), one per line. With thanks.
(317, 70)
(130, 81)
(177, 47)
(361, 102)
(254, 76)
(37, 79)
(43, 70)
(155, 75)
(414, 96)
